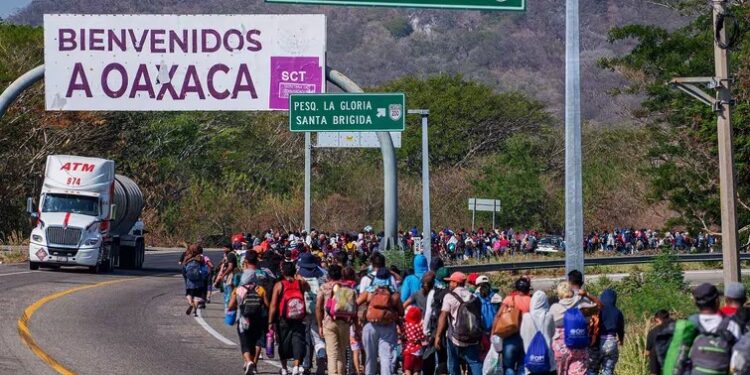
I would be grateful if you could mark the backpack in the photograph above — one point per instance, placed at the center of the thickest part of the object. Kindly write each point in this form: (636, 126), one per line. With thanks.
(537, 356)
(508, 323)
(676, 361)
(380, 308)
(193, 271)
(311, 296)
(292, 301)
(576, 329)
(467, 327)
(437, 304)
(251, 306)
(343, 303)
(662, 340)
(742, 355)
(711, 351)
(488, 313)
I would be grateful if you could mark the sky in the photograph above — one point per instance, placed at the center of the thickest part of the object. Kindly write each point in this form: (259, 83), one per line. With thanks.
(8, 7)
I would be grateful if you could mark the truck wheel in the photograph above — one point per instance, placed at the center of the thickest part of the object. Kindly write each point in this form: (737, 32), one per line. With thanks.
(96, 269)
(127, 257)
(33, 266)
(140, 252)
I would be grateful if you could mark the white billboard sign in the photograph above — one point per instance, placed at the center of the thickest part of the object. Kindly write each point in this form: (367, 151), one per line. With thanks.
(354, 139)
(487, 205)
(181, 62)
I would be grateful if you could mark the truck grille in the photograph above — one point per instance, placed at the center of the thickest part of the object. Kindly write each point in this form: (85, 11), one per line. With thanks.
(63, 236)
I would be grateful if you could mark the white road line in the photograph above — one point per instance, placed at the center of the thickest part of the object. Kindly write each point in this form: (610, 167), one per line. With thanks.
(16, 273)
(220, 337)
(212, 331)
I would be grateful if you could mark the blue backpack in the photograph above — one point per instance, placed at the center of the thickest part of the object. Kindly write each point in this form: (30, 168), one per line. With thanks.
(488, 312)
(537, 355)
(576, 329)
(193, 272)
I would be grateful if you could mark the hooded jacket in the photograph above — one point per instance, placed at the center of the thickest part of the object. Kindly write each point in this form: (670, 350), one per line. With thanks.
(413, 283)
(539, 319)
(612, 321)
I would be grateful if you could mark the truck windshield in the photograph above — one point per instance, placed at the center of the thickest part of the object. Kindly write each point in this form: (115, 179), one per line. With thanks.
(71, 203)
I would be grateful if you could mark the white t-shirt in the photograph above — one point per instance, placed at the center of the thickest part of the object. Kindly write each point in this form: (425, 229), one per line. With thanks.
(365, 282)
(451, 304)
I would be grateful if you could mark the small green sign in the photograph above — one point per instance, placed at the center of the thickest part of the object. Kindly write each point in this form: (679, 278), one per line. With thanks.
(347, 112)
(513, 5)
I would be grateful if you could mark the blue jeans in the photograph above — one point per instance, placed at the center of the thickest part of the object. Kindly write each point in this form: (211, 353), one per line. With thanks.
(470, 355)
(513, 355)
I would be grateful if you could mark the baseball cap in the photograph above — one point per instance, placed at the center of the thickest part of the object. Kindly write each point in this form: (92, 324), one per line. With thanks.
(472, 278)
(735, 290)
(705, 293)
(441, 274)
(458, 277)
(482, 279)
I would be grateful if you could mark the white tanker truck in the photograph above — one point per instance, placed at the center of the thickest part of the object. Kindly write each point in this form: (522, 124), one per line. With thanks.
(87, 216)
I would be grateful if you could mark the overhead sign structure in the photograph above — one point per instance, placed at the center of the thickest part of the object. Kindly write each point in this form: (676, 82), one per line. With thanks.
(347, 112)
(354, 140)
(507, 5)
(181, 62)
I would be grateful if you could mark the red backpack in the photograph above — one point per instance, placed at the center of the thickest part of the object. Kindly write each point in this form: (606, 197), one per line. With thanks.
(292, 300)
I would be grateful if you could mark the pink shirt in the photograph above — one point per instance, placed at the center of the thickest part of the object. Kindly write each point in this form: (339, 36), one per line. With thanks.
(521, 301)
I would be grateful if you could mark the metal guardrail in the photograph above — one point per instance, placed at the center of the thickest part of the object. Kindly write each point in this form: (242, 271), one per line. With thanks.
(608, 261)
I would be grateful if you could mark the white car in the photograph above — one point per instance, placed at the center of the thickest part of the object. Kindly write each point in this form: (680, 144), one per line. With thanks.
(550, 244)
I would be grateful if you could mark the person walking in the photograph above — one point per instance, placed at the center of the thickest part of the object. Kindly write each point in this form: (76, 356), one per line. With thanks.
(412, 283)
(414, 340)
(379, 333)
(603, 357)
(538, 321)
(288, 309)
(458, 350)
(336, 310)
(513, 352)
(251, 301)
(194, 279)
(225, 278)
(569, 360)
(314, 275)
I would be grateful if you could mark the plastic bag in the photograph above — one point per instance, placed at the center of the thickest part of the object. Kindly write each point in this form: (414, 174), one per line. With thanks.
(493, 363)
(230, 317)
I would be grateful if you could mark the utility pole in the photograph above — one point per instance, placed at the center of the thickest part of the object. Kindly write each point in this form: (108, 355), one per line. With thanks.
(308, 178)
(573, 159)
(426, 231)
(721, 104)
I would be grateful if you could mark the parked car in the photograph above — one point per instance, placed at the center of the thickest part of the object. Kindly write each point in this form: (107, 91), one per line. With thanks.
(550, 244)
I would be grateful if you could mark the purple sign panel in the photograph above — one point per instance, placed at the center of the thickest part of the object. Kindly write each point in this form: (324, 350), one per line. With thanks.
(294, 75)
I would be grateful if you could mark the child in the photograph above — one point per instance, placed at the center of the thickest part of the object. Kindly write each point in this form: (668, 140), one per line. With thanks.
(414, 340)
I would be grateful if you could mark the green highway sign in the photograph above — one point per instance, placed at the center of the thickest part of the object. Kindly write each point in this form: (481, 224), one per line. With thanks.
(347, 112)
(515, 5)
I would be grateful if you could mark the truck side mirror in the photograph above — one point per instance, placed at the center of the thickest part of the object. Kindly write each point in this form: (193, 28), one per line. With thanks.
(30, 206)
(113, 212)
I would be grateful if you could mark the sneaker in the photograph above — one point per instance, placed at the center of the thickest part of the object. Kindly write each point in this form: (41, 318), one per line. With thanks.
(249, 368)
(189, 310)
(296, 370)
(283, 372)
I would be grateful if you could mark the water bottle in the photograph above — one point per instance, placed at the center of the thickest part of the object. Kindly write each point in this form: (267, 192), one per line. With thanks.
(269, 344)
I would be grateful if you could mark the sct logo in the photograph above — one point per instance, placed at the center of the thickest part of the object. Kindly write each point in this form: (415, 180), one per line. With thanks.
(83, 167)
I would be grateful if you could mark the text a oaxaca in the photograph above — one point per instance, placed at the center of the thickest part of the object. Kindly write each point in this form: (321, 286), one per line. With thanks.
(182, 62)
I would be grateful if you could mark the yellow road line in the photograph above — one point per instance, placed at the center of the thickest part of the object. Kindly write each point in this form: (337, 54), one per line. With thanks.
(23, 326)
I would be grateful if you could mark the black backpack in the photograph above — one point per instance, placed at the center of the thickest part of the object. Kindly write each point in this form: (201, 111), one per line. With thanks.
(711, 351)
(661, 341)
(467, 327)
(251, 306)
(437, 304)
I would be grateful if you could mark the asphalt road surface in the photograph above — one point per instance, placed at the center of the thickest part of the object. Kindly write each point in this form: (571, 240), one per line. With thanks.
(134, 325)
(127, 322)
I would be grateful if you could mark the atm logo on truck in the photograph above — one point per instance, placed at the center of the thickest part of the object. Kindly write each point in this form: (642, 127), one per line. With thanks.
(83, 167)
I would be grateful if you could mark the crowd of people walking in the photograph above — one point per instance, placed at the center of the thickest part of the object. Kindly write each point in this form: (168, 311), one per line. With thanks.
(326, 316)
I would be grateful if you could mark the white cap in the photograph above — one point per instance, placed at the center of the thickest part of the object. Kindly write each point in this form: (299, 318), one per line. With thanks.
(482, 279)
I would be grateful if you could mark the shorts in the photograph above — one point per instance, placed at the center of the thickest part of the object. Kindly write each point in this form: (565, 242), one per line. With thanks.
(250, 338)
(195, 292)
(292, 339)
(412, 363)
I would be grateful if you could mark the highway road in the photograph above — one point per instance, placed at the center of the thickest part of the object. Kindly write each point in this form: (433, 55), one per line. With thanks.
(128, 322)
